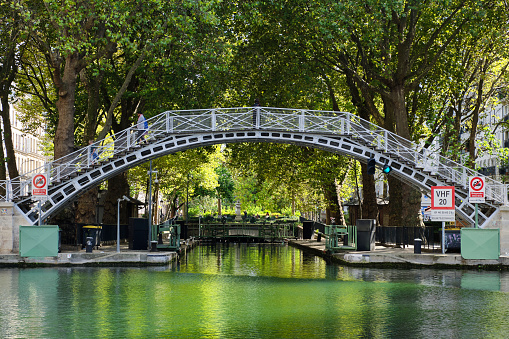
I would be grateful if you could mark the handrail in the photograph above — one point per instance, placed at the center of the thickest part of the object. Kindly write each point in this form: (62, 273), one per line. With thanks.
(177, 122)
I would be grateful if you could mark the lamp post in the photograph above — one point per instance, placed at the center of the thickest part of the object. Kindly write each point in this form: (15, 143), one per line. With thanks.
(124, 198)
(161, 212)
(150, 171)
(189, 177)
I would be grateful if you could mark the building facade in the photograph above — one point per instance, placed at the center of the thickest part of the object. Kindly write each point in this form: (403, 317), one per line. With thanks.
(493, 164)
(27, 147)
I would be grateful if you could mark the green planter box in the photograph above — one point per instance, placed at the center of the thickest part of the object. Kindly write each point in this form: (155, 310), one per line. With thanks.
(479, 243)
(38, 241)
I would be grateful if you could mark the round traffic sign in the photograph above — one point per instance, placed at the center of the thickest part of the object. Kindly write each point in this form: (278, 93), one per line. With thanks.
(39, 181)
(476, 183)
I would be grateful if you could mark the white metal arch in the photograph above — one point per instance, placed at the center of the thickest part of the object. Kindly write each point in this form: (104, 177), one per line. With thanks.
(175, 131)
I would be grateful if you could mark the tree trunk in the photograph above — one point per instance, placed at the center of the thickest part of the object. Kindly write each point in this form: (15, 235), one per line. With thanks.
(395, 202)
(93, 86)
(86, 209)
(331, 198)
(117, 187)
(3, 173)
(9, 147)
(174, 206)
(369, 201)
(364, 105)
(341, 216)
(398, 108)
(404, 207)
(411, 211)
(66, 85)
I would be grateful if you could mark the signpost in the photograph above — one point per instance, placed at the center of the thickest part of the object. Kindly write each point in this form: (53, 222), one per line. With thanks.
(39, 185)
(476, 190)
(442, 207)
(476, 194)
(40, 189)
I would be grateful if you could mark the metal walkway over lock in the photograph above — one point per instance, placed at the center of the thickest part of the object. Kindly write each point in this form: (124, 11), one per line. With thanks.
(263, 231)
(175, 131)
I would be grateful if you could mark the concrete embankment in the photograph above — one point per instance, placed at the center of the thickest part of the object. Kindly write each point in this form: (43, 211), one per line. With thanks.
(381, 257)
(105, 256)
(400, 257)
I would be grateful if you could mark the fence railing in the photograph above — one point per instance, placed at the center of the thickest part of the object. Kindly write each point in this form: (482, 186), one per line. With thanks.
(404, 236)
(258, 118)
(340, 237)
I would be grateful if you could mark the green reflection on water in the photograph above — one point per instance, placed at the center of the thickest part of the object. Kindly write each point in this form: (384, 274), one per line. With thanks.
(249, 292)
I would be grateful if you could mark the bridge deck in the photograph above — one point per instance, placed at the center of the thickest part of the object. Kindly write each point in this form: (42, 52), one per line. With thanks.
(174, 131)
(260, 231)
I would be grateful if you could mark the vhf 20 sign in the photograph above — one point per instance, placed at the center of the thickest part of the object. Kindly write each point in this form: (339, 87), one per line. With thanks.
(442, 203)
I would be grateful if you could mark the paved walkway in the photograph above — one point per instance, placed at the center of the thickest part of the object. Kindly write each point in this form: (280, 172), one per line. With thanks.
(400, 257)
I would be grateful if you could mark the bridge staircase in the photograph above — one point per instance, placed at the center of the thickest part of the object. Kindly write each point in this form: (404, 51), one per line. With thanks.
(413, 164)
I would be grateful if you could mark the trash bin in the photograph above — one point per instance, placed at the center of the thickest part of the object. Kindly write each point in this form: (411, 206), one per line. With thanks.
(138, 234)
(307, 229)
(417, 246)
(94, 232)
(89, 244)
(183, 229)
(366, 234)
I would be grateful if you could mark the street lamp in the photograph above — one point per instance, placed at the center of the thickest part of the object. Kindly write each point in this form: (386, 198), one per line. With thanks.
(150, 171)
(124, 198)
(189, 176)
(161, 212)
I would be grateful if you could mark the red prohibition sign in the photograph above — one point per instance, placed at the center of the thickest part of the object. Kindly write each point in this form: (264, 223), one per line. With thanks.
(476, 184)
(39, 181)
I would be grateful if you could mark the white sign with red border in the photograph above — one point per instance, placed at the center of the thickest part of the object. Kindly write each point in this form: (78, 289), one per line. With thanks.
(476, 190)
(442, 203)
(40, 185)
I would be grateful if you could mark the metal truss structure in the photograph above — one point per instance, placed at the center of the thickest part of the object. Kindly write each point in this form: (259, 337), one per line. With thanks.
(174, 131)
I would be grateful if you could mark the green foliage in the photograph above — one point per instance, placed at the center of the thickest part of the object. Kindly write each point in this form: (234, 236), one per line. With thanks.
(450, 58)
(226, 185)
(176, 173)
(277, 176)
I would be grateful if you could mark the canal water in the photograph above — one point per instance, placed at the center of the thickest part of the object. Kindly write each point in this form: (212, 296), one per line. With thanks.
(252, 291)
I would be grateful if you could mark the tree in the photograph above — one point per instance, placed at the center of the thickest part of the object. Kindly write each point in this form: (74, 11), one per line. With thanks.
(225, 188)
(96, 51)
(290, 171)
(11, 49)
(195, 167)
(388, 48)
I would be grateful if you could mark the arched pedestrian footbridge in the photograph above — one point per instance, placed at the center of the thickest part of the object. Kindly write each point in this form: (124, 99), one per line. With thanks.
(174, 131)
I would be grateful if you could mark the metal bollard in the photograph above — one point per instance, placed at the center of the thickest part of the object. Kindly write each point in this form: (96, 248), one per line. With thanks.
(89, 244)
(417, 246)
(153, 246)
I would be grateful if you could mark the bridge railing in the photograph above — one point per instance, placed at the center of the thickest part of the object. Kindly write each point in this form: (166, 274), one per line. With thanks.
(258, 118)
(419, 157)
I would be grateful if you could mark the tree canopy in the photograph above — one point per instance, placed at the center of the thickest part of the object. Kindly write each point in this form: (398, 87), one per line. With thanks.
(429, 71)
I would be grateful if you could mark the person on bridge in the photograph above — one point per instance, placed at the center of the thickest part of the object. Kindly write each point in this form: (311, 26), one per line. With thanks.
(142, 127)
(256, 112)
(93, 152)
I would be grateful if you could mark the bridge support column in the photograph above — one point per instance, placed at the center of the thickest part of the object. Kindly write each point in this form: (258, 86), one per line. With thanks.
(10, 220)
(501, 221)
